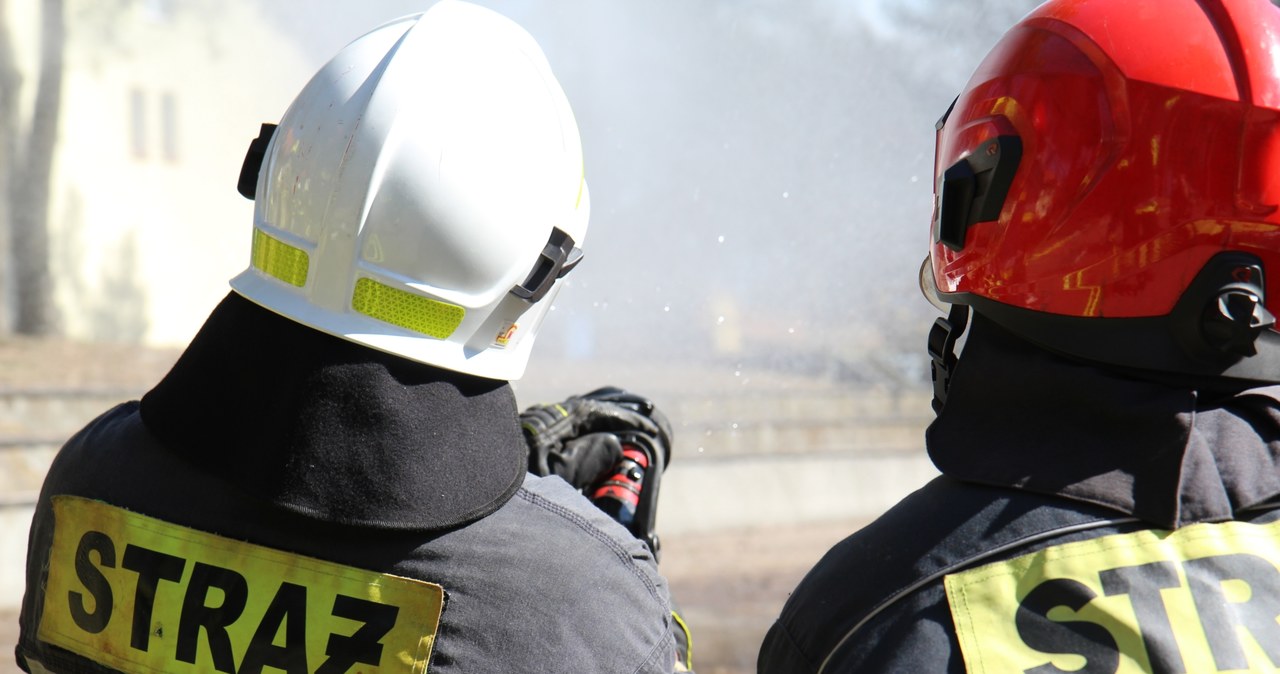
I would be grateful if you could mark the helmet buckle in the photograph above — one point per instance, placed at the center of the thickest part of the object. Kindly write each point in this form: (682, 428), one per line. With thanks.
(1222, 314)
(1234, 320)
(942, 351)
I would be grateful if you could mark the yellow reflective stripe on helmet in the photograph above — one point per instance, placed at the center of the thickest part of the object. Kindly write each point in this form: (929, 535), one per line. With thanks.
(1203, 598)
(582, 184)
(138, 594)
(405, 309)
(277, 258)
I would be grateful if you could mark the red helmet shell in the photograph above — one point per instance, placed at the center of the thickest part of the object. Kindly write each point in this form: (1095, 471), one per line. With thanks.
(1149, 143)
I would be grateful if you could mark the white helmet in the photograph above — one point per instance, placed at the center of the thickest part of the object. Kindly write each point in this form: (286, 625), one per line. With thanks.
(423, 195)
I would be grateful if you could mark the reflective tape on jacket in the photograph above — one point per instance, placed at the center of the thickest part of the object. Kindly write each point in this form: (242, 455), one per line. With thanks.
(141, 595)
(1204, 598)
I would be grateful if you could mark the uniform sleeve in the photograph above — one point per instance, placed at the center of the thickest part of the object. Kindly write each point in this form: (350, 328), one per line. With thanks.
(779, 654)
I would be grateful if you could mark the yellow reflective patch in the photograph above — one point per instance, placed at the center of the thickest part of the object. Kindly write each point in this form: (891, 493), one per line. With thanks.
(141, 595)
(277, 258)
(412, 312)
(506, 334)
(685, 665)
(1205, 598)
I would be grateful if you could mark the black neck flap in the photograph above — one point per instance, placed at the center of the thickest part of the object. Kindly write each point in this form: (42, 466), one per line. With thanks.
(1019, 416)
(321, 426)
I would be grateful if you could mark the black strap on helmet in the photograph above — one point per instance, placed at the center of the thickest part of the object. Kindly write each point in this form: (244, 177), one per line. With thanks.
(942, 351)
(974, 189)
(557, 258)
(248, 184)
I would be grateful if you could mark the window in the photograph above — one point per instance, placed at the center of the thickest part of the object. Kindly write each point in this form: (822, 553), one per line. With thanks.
(142, 131)
(169, 126)
(138, 123)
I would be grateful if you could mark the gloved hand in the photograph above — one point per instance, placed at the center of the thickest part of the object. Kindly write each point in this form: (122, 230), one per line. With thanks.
(577, 439)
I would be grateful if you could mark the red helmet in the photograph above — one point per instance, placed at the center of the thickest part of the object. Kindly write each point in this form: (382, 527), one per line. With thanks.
(1108, 185)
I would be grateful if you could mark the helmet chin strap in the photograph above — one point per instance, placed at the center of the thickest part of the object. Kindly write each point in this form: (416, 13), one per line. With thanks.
(942, 351)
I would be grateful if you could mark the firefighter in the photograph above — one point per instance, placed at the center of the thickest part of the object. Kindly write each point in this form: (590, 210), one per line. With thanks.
(1107, 227)
(332, 477)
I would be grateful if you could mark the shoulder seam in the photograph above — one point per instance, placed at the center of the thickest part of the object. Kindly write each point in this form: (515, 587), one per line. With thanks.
(962, 564)
(581, 523)
(793, 646)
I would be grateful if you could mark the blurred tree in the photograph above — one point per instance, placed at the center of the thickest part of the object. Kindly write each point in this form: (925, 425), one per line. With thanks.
(10, 82)
(26, 168)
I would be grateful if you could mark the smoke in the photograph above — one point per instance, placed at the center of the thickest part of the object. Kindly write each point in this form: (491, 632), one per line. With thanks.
(761, 172)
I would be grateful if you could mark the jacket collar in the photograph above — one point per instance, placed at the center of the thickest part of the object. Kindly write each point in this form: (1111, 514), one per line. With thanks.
(1018, 416)
(318, 425)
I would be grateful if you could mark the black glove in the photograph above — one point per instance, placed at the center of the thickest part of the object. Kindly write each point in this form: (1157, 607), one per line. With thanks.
(577, 439)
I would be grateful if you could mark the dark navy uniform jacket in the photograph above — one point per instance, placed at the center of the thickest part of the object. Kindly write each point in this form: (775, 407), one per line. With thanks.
(1085, 522)
(287, 501)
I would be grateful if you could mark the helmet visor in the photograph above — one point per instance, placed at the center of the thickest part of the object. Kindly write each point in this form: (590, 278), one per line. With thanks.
(929, 288)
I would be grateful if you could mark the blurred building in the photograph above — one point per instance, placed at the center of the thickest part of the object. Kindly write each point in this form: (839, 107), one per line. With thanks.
(159, 101)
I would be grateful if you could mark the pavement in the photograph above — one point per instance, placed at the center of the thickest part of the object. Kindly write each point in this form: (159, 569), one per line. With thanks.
(730, 585)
